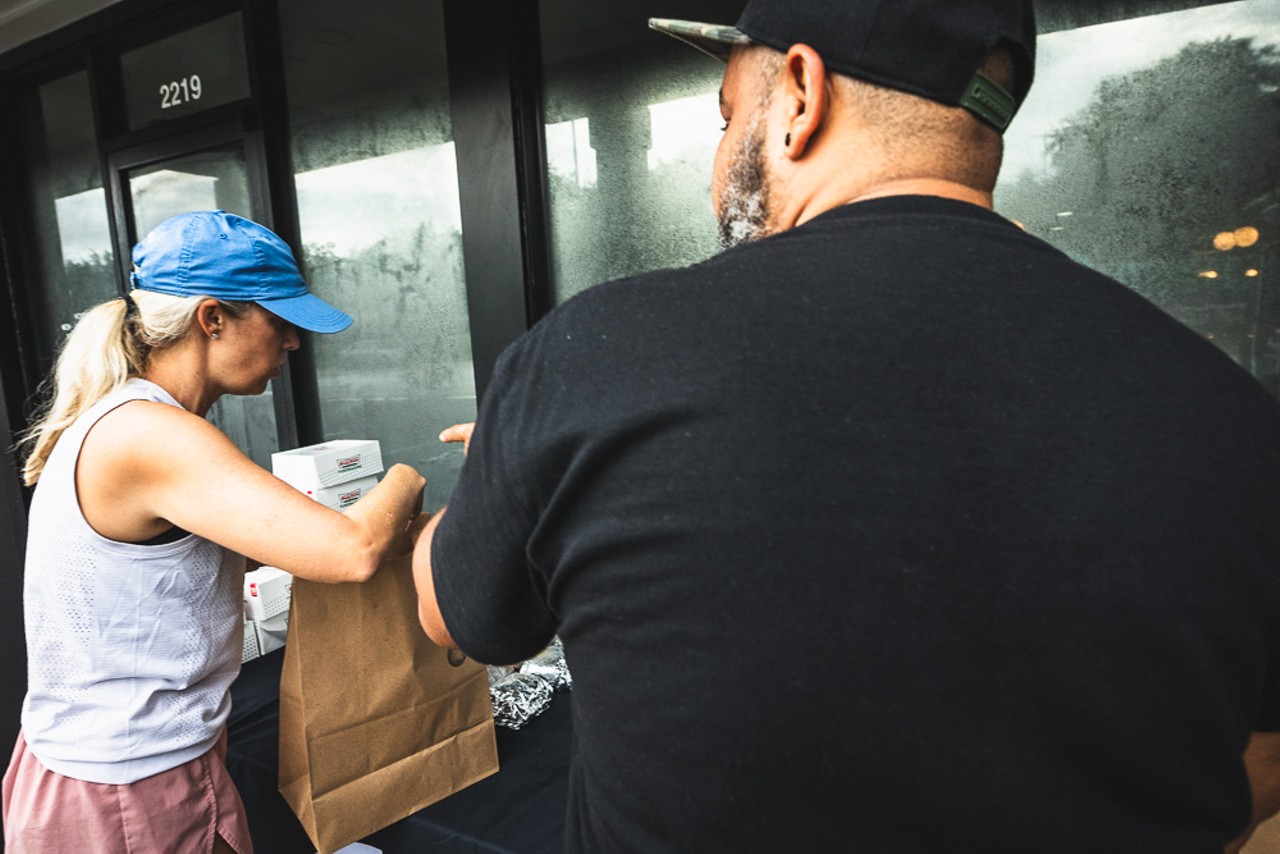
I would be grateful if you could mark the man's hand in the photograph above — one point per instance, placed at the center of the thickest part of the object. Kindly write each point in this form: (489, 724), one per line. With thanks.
(1262, 762)
(459, 433)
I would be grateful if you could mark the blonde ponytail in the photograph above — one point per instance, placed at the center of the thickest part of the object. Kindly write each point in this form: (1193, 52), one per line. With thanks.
(109, 345)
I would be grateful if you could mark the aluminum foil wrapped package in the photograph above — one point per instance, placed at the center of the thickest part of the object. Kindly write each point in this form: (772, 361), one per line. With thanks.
(518, 699)
(498, 672)
(551, 666)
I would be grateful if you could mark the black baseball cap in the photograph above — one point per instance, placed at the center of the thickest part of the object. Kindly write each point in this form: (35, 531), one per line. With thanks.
(931, 48)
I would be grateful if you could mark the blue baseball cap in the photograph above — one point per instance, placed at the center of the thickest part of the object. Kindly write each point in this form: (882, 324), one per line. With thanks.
(228, 257)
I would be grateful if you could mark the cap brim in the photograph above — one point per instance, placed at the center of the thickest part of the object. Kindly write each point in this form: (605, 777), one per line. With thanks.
(715, 40)
(308, 312)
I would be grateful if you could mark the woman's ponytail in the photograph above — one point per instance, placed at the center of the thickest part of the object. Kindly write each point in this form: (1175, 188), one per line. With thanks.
(109, 345)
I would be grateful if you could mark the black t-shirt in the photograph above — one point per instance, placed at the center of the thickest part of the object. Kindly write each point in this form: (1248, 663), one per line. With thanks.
(896, 531)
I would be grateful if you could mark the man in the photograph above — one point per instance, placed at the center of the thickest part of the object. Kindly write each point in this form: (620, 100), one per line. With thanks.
(890, 528)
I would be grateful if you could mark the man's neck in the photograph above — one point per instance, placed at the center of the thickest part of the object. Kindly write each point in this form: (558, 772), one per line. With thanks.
(905, 187)
(927, 187)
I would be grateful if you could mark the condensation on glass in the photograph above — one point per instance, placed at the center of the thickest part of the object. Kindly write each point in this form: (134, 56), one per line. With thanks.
(199, 68)
(1147, 150)
(72, 237)
(381, 224)
(632, 124)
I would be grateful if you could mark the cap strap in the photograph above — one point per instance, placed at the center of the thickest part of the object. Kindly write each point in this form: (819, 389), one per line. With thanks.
(987, 100)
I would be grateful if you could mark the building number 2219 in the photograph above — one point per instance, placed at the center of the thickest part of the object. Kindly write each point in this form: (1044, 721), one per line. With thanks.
(180, 91)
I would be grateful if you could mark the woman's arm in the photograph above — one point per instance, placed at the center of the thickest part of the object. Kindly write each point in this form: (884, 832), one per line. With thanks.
(147, 464)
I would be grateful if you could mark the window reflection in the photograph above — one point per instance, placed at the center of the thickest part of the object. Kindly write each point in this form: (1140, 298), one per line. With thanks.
(164, 190)
(648, 109)
(686, 132)
(68, 209)
(204, 181)
(349, 207)
(382, 238)
(381, 226)
(570, 157)
(1145, 147)
(82, 226)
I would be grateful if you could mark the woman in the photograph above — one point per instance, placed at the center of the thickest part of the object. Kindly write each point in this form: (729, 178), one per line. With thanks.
(141, 513)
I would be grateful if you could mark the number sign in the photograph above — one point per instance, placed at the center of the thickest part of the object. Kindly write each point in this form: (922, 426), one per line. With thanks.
(180, 91)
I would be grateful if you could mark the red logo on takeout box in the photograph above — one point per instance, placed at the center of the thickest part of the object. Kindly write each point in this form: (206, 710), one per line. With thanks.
(349, 462)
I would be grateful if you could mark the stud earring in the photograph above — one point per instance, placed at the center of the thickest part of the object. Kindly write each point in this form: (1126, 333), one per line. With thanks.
(213, 335)
(787, 141)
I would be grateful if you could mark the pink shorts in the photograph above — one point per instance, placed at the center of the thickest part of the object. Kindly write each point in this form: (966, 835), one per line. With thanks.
(182, 809)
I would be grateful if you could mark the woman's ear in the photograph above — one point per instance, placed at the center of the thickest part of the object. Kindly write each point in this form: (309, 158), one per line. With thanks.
(806, 98)
(209, 317)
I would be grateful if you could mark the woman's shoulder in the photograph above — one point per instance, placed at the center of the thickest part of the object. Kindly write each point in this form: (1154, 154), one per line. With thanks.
(148, 428)
(150, 422)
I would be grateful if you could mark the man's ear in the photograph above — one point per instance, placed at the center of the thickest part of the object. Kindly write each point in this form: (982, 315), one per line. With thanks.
(806, 99)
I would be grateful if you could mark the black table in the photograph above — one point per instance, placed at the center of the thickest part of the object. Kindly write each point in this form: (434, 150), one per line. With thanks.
(519, 809)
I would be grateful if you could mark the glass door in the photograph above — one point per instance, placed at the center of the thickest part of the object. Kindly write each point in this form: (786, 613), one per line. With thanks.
(213, 179)
(213, 168)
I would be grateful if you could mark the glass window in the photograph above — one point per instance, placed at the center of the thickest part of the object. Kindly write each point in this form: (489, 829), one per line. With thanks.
(203, 67)
(205, 181)
(1147, 149)
(632, 124)
(71, 237)
(381, 223)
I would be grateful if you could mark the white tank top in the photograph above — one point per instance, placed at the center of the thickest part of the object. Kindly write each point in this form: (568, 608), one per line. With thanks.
(131, 649)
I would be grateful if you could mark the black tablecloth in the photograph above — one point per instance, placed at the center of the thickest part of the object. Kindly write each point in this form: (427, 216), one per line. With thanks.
(519, 809)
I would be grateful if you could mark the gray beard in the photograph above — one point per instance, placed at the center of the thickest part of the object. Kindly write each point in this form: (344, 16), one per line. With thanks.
(743, 214)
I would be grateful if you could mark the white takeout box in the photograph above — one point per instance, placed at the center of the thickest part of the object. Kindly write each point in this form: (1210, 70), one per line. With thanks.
(343, 495)
(272, 632)
(266, 593)
(327, 464)
(251, 650)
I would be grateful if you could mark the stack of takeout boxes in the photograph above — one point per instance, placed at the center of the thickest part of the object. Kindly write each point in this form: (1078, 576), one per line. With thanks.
(337, 474)
(266, 610)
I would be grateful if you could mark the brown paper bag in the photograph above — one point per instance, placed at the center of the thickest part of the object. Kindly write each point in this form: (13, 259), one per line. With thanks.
(375, 723)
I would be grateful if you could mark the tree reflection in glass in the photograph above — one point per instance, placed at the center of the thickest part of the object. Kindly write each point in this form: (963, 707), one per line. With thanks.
(377, 190)
(1144, 140)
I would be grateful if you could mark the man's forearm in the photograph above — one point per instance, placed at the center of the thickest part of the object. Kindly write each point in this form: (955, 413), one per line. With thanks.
(424, 581)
